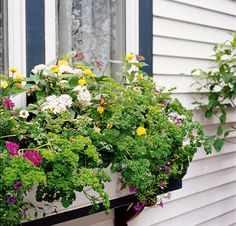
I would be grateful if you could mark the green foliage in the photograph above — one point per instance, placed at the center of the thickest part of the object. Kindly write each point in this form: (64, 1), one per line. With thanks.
(219, 87)
(81, 123)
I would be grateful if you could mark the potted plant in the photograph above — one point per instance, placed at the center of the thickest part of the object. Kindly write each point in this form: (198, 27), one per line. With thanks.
(80, 121)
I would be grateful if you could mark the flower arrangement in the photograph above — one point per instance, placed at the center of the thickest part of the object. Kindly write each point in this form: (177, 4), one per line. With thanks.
(78, 123)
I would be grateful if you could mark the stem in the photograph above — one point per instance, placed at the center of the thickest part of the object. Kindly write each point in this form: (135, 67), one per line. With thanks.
(7, 136)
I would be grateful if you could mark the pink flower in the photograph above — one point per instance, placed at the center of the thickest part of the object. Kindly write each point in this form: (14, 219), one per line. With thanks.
(99, 64)
(140, 57)
(79, 56)
(8, 103)
(177, 122)
(33, 156)
(12, 148)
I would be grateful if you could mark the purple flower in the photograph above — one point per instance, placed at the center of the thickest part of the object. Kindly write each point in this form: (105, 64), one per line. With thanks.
(132, 189)
(161, 204)
(139, 206)
(33, 156)
(161, 185)
(167, 169)
(12, 148)
(79, 56)
(8, 103)
(11, 200)
(177, 122)
(17, 185)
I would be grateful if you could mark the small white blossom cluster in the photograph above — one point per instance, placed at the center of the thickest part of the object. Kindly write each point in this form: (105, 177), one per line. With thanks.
(56, 104)
(24, 114)
(65, 69)
(41, 68)
(83, 95)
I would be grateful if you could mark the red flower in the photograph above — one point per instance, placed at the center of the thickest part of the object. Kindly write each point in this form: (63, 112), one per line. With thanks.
(8, 103)
(33, 156)
(12, 148)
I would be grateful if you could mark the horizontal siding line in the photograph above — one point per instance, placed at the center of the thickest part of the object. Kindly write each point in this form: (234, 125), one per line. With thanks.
(173, 74)
(184, 39)
(222, 169)
(201, 7)
(216, 156)
(218, 216)
(198, 207)
(185, 57)
(189, 22)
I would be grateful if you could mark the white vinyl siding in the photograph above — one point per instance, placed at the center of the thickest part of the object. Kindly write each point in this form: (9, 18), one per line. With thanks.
(184, 33)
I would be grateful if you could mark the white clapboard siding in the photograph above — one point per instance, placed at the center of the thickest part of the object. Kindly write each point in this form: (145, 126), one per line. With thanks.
(184, 33)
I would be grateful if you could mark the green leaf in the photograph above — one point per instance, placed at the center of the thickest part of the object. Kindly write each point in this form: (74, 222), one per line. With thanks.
(220, 130)
(218, 144)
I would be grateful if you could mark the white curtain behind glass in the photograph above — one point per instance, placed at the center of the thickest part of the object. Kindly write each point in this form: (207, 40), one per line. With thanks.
(91, 26)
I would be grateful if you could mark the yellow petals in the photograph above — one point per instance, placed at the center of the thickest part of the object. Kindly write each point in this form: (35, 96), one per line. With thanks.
(63, 62)
(93, 75)
(109, 126)
(82, 82)
(13, 69)
(3, 84)
(80, 66)
(54, 69)
(87, 72)
(129, 57)
(18, 84)
(100, 109)
(141, 131)
(18, 77)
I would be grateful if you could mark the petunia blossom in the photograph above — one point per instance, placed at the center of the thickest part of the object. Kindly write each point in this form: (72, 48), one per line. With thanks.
(139, 206)
(17, 185)
(11, 200)
(132, 189)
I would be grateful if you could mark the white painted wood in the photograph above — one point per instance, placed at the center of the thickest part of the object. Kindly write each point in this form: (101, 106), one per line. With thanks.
(182, 30)
(132, 26)
(16, 42)
(182, 12)
(166, 65)
(152, 216)
(50, 31)
(227, 7)
(181, 48)
(206, 213)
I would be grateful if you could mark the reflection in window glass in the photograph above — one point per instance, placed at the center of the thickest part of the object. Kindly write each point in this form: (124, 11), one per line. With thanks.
(94, 27)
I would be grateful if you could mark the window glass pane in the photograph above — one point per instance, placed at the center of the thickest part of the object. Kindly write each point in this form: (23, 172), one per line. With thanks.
(94, 27)
(3, 35)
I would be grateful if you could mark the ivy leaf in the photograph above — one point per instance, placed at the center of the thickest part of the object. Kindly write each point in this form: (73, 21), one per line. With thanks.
(218, 144)
(220, 130)
(223, 118)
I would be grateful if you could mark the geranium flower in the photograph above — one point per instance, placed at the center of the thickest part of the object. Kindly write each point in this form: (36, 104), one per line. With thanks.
(11, 200)
(12, 148)
(8, 103)
(141, 131)
(17, 185)
(33, 156)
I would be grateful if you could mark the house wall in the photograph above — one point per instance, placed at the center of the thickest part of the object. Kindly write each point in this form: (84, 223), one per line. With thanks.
(184, 32)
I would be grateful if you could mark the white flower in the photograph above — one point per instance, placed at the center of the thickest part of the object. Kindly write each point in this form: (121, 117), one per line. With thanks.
(78, 72)
(65, 69)
(24, 114)
(84, 97)
(41, 67)
(56, 104)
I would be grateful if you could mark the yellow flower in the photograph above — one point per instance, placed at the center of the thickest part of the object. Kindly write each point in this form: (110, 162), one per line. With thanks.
(100, 109)
(109, 126)
(80, 66)
(129, 57)
(63, 62)
(97, 129)
(140, 76)
(141, 131)
(93, 75)
(54, 69)
(18, 84)
(87, 72)
(13, 69)
(3, 84)
(82, 82)
(18, 77)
